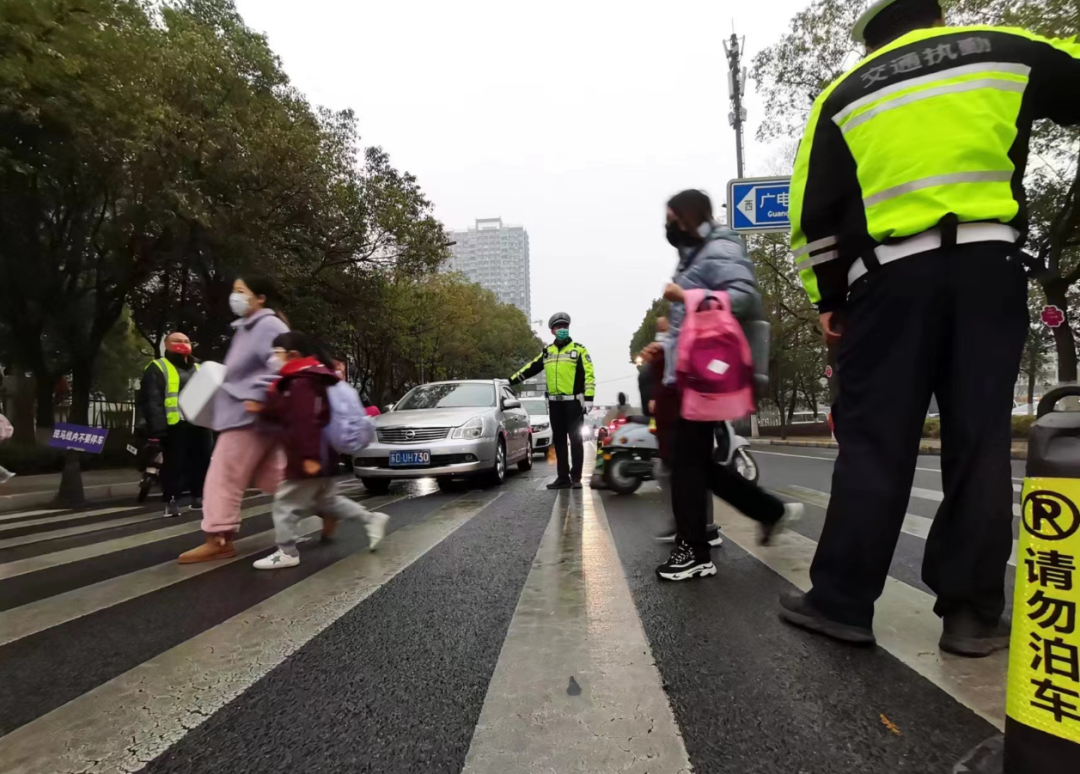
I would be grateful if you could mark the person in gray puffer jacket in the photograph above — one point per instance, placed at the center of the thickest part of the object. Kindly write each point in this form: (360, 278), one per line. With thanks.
(711, 257)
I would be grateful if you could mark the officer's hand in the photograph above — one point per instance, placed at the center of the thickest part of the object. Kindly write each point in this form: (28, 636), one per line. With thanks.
(253, 406)
(674, 293)
(652, 407)
(832, 330)
(651, 352)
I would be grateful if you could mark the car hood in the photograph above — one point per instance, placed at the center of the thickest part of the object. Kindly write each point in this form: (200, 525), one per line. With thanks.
(454, 417)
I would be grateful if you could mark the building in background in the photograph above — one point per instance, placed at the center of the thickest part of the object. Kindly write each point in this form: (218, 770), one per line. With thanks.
(496, 257)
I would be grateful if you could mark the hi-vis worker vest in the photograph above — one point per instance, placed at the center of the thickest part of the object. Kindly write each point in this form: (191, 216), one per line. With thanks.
(569, 370)
(172, 389)
(930, 130)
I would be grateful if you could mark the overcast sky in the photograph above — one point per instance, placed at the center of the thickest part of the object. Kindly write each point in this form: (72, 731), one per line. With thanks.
(575, 119)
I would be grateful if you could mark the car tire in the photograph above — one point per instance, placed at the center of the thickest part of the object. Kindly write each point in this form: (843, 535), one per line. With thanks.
(746, 466)
(498, 472)
(526, 463)
(377, 486)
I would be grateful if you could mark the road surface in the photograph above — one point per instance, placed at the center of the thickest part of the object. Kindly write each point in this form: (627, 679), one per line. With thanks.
(496, 630)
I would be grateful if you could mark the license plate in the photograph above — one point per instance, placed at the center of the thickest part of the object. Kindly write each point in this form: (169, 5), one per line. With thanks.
(403, 459)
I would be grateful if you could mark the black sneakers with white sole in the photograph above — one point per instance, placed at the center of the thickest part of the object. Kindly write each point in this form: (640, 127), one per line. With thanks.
(683, 565)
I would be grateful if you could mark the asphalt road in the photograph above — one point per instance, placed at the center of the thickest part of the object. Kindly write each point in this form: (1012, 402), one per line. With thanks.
(496, 630)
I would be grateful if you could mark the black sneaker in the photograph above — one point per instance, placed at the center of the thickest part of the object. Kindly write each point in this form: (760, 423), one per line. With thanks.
(172, 509)
(559, 483)
(196, 504)
(795, 608)
(964, 634)
(713, 536)
(683, 565)
(792, 512)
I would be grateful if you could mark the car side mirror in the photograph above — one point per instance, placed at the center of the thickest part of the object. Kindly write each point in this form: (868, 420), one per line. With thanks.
(511, 404)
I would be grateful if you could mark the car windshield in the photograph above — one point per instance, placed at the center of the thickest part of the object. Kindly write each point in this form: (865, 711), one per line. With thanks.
(534, 407)
(448, 395)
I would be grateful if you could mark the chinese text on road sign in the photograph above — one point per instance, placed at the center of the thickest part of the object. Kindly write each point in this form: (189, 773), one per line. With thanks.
(79, 438)
(759, 204)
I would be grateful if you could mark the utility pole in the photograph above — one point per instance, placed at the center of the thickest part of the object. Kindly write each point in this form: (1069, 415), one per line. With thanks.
(736, 88)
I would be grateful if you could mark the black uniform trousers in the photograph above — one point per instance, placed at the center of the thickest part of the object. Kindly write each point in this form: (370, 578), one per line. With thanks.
(185, 450)
(566, 418)
(695, 474)
(951, 322)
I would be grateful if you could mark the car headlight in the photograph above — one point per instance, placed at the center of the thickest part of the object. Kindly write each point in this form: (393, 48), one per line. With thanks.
(471, 430)
(541, 427)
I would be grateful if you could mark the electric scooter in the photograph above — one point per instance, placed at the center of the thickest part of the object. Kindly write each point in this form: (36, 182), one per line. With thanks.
(630, 450)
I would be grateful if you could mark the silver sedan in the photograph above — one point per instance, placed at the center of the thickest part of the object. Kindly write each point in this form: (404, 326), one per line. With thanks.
(448, 430)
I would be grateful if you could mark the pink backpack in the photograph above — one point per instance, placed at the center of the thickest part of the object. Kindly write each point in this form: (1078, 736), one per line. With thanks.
(715, 372)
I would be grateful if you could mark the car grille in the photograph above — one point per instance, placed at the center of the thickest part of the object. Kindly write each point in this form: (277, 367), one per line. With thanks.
(412, 434)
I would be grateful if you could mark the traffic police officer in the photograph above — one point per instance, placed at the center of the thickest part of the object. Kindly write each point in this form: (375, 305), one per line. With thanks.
(571, 386)
(185, 447)
(907, 212)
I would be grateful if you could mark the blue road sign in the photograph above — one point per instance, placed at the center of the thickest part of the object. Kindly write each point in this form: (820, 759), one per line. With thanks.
(759, 204)
(78, 438)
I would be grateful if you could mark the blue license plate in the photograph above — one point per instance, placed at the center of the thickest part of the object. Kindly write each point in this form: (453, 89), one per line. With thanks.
(409, 459)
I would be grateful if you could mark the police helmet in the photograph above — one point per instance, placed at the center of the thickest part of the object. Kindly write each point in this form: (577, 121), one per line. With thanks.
(559, 318)
(874, 26)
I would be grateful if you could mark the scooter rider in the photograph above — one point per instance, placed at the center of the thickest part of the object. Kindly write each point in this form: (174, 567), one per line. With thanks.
(571, 386)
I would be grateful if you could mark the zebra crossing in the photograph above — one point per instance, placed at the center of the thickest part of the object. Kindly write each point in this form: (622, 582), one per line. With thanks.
(510, 629)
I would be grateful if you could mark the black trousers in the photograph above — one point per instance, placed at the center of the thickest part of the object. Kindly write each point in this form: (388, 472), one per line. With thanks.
(566, 417)
(186, 451)
(952, 323)
(695, 474)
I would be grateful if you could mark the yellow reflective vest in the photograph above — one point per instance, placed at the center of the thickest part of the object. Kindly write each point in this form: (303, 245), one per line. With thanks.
(172, 389)
(931, 129)
(569, 370)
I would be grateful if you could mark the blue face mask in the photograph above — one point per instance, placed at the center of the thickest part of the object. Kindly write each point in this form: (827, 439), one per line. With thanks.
(562, 334)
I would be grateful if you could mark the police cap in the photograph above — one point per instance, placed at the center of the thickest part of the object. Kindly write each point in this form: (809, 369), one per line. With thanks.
(559, 318)
(878, 25)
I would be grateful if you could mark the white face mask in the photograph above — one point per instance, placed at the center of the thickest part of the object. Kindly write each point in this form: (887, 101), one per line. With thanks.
(662, 336)
(274, 364)
(238, 303)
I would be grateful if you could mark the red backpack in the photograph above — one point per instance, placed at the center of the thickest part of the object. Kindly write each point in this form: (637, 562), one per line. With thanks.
(715, 372)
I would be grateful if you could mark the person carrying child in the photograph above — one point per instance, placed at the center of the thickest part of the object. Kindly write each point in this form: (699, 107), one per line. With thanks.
(298, 403)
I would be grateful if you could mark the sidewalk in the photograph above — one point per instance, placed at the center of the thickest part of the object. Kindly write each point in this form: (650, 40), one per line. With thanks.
(30, 491)
(930, 446)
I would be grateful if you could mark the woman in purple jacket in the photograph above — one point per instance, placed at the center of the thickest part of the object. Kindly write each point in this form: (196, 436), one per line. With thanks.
(247, 451)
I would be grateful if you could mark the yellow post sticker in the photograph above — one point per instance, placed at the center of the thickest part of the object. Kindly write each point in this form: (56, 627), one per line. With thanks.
(1044, 658)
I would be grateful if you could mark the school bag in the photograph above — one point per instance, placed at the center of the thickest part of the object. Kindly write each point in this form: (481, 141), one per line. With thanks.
(715, 371)
(350, 428)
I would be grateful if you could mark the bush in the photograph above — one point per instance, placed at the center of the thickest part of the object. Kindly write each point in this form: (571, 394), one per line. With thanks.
(1021, 425)
(931, 428)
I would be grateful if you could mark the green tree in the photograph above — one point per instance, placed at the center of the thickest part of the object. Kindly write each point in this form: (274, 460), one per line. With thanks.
(818, 48)
(646, 332)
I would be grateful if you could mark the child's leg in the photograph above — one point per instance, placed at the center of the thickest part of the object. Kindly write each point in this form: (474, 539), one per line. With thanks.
(290, 501)
(335, 505)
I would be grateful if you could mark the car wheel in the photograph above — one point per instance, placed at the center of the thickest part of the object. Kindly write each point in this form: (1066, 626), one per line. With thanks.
(527, 461)
(376, 486)
(498, 472)
(746, 466)
(616, 477)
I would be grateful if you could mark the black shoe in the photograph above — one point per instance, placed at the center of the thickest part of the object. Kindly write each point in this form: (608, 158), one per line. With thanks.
(575, 485)
(196, 504)
(795, 608)
(964, 634)
(713, 536)
(683, 565)
(559, 483)
(792, 512)
(172, 509)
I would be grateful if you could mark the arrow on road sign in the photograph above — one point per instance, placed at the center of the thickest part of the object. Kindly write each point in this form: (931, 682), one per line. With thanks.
(759, 204)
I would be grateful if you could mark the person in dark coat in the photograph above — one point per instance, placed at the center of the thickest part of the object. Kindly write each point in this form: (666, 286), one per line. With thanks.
(185, 447)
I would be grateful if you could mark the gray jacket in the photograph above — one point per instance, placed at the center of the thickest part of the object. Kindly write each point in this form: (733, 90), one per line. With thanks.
(720, 264)
(248, 373)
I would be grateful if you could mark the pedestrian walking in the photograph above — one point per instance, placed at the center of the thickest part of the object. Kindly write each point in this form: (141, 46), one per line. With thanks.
(6, 431)
(297, 402)
(571, 387)
(907, 212)
(185, 448)
(661, 403)
(711, 257)
(247, 451)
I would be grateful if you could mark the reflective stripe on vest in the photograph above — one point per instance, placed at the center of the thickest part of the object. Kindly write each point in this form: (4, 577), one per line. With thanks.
(172, 389)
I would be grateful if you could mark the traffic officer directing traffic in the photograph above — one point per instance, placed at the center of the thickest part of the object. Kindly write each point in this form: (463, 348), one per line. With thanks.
(185, 447)
(907, 212)
(571, 386)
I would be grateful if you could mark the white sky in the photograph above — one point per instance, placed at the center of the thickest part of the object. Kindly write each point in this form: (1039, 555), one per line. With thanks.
(575, 119)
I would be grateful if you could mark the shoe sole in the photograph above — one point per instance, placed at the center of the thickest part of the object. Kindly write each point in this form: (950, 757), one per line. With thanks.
(828, 628)
(374, 540)
(276, 566)
(697, 571)
(200, 560)
(716, 541)
(973, 647)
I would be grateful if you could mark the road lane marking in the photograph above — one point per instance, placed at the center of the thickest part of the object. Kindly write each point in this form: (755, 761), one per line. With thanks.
(755, 450)
(575, 687)
(916, 526)
(130, 720)
(27, 514)
(937, 497)
(69, 517)
(904, 621)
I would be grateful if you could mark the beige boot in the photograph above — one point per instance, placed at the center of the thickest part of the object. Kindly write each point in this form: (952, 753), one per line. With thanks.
(215, 547)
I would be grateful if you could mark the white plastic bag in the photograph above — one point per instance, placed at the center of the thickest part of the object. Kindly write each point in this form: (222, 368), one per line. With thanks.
(197, 397)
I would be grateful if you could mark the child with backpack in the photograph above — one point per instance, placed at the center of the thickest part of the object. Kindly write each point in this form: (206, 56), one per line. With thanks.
(318, 416)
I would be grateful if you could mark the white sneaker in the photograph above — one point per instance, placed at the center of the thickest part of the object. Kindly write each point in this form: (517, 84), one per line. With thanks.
(6, 476)
(278, 560)
(376, 529)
